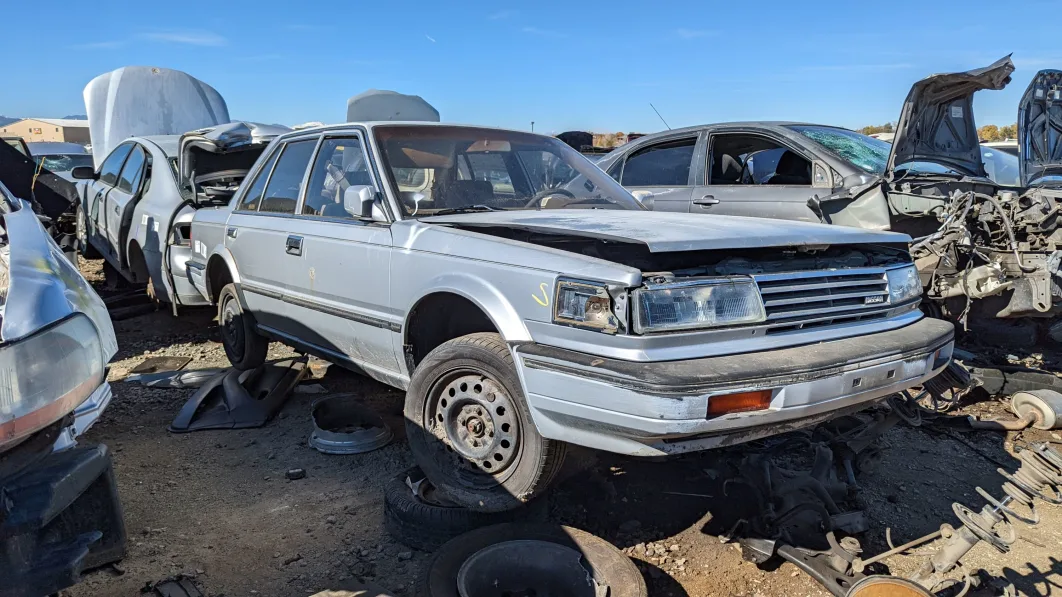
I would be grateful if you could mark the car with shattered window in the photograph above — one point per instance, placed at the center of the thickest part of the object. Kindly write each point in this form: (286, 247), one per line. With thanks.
(985, 248)
(59, 508)
(59, 157)
(164, 149)
(525, 301)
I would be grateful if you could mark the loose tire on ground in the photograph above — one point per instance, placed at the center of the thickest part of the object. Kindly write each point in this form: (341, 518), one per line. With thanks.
(607, 564)
(243, 345)
(470, 429)
(425, 524)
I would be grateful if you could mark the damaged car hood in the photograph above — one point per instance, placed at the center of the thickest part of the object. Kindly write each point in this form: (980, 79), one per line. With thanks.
(666, 231)
(1040, 129)
(937, 122)
(196, 148)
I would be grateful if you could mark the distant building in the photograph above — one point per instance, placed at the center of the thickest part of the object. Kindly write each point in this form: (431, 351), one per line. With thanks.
(48, 129)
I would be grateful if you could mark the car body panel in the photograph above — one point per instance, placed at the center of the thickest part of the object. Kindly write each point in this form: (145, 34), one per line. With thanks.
(1040, 128)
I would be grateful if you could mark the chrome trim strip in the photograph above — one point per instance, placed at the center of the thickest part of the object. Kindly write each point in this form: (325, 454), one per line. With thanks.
(354, 316)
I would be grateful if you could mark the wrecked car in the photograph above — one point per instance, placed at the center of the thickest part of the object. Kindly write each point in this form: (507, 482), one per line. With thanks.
(982, 247)
(134, 210)
(59, 509)
(59, 157)
(525, 301)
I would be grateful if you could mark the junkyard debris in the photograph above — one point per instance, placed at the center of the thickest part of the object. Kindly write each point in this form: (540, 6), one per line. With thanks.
(342, 426)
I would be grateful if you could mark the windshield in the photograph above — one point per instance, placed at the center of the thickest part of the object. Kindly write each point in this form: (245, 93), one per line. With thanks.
(866, 153)
(63, 162)
(442, 169)
(1001, 166)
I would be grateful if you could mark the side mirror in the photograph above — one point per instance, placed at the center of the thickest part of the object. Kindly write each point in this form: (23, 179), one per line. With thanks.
(361, 202)
(644, 198)
(83, 173)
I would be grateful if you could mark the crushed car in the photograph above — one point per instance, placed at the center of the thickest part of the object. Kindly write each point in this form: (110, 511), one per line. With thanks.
(134, 210)
(525, 301)
(59, 508)
(984, 249)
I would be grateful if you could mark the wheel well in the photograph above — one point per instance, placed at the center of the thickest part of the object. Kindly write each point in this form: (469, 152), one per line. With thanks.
(218, 276)
(137, 263)
(440, 317)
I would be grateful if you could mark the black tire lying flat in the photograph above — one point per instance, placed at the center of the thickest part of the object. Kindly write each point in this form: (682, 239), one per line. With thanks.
(425, 524)
(607, 564)
(470, 429)
(243, 345)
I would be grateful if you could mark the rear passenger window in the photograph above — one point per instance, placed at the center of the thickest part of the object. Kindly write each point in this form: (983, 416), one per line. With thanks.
(133, 171)
(113, 164)
(282, 191)
(253, 196)
(340, 165)
(663, 165)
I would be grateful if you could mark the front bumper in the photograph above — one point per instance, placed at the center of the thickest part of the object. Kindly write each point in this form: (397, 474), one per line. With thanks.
(653, 409)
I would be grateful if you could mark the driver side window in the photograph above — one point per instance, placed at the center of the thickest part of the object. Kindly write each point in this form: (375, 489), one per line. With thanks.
(113, 164)
(750, 160)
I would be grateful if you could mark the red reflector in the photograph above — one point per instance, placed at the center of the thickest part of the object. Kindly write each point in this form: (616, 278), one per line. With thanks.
(739, 402)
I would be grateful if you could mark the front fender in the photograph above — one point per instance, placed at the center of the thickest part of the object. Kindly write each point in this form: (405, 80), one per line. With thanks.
(484, 295)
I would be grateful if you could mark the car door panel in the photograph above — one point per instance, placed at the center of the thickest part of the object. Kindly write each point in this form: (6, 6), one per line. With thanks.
(663, 170)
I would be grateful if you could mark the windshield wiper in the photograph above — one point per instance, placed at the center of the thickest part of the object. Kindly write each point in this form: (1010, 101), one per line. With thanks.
(464, 209)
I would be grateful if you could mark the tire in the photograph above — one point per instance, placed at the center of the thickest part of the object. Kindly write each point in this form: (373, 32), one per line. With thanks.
(427, 523)
(243, 345)
(470, 429)
(607, 564)
(81, 235)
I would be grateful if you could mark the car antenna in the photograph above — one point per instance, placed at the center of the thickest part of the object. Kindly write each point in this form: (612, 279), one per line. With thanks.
(659, 116)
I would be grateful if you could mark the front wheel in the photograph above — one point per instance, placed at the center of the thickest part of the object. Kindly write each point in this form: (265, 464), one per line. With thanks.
(81, 235)
(243, 345)
(470, 429)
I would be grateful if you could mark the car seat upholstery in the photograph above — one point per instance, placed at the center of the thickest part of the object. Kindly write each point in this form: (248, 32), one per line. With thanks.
(792, 170)
(728, 172)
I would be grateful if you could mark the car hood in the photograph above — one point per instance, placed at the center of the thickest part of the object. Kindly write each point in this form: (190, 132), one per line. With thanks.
(197, 150)
(1040, 128)
(141, 101)
(937, 122)
(667, 232)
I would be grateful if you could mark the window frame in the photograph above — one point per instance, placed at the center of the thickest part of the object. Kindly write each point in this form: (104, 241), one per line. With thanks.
(691, 180)
(282, 147)
(99, 173)
(143, 168)
(256, 172)
(359, 136)
(780, 142)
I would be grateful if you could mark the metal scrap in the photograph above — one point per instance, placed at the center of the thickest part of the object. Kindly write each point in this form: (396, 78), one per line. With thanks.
(342, 426)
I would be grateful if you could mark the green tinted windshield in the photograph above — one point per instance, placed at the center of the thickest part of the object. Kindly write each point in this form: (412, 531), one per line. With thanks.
(866, 153)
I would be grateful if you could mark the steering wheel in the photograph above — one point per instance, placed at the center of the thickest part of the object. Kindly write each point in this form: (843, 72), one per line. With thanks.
(539, 196)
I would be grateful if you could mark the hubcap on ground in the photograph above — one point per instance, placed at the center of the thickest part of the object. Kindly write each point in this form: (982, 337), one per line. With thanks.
(473, 416)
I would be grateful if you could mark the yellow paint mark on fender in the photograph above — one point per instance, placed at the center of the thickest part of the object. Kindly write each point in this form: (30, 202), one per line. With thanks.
(544, 301)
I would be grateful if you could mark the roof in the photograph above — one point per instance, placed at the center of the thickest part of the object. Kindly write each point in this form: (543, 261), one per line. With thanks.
(370, 124)
(167, 143)
(64, 122)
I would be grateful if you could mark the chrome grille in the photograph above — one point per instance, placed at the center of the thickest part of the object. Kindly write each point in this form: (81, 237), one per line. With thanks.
(798, 300)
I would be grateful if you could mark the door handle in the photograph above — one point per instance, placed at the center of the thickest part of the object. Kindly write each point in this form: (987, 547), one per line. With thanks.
(706, 200)
(231, 232)
(293, 246)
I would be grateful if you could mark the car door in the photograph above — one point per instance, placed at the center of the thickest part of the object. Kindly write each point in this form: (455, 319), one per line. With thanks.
(118, 203)
(96, 196)
(257, 235)
(756, 174)
(663, 169)
(341, 290)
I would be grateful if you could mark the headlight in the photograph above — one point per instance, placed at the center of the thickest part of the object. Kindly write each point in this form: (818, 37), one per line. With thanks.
(700, 304)
(904, 284)
(58, 367)
(584, 305)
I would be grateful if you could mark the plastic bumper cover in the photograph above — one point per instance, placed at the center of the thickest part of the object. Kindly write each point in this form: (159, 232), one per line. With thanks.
(652, 409)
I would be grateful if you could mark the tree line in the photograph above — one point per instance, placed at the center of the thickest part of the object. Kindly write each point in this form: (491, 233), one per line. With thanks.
(986, 133)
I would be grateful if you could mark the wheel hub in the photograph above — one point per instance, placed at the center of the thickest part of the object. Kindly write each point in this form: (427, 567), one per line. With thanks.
(473, 416)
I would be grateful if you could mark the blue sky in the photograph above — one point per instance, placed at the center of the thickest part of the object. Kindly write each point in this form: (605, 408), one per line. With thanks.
(565, 65)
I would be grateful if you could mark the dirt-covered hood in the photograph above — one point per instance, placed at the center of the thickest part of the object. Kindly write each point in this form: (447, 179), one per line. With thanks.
(666, 232)
(937, 122)
(1040, 129)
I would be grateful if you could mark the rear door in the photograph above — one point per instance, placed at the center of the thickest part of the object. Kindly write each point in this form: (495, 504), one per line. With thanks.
(95, 200)
(756, 174)
(664, 168)
(258, 234)
(121, 199)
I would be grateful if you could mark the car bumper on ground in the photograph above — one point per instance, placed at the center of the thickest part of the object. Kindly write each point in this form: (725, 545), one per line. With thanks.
(659, 408)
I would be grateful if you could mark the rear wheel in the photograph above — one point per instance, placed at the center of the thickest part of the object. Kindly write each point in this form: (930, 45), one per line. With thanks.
(470, 429)
(243, 345)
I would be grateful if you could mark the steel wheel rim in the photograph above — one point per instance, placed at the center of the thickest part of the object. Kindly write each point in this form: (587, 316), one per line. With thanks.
(80, 229)
(474, 419)
(231, 330)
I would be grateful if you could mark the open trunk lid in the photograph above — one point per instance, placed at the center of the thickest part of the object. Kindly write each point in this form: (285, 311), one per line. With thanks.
(937, 122)
(214, 160)
(1040, 129)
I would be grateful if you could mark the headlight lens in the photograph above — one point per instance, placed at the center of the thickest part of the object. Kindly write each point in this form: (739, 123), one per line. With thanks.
(904, 284)
(584, 305)
(62, 363)
(702, 304)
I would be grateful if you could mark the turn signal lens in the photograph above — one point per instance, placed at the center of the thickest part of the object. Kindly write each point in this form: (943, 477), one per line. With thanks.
(739, 402)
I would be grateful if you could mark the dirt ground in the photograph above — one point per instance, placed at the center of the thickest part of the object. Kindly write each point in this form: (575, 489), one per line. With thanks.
(216, 505)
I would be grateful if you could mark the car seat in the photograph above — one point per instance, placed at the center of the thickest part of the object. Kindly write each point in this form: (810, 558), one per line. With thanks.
(791, 170)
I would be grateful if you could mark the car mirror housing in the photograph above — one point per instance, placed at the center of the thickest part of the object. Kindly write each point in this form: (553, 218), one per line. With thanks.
(83, 173)
(362, 201)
